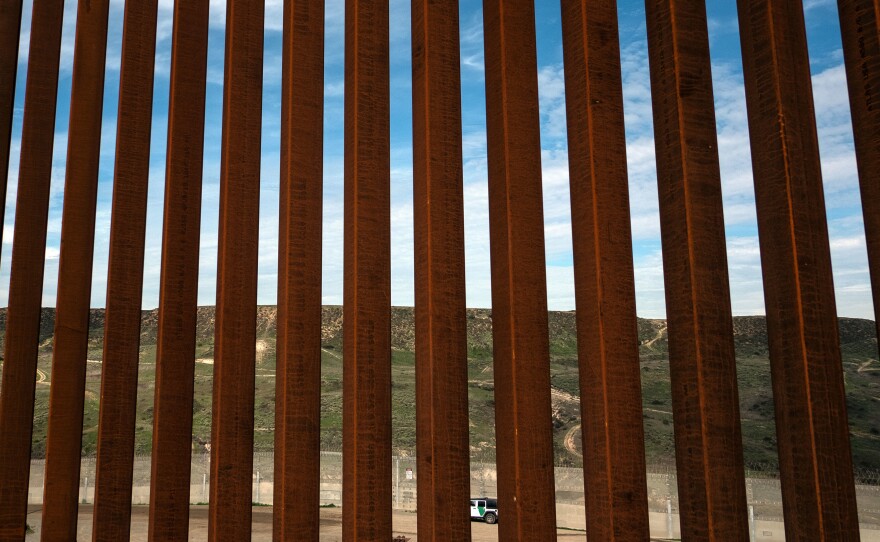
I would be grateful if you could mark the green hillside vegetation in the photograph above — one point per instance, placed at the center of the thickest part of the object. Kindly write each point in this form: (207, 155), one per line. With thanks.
(858, 345)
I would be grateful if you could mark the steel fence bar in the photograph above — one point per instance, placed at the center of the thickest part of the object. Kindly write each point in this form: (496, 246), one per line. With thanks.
(366, 438)
(178, 283)
(122, 317)
(811, 423)
(519, 287)
(297, 479)
(440, 319)
(232, 424)
(73, 296)
(708, 441)
(608, 352)
(859, 20)
(26, 274)
(10, 31)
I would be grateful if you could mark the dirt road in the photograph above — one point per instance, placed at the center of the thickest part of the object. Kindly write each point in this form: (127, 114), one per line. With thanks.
(331, 525)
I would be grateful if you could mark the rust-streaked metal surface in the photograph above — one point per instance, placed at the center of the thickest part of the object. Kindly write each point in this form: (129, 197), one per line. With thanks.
(608, 338)
(440, 321)
(297, 482)
(10, 28)
(818, 493)
(702, 362)
(178, 287)
(70, 349)
(26, 275)
(860, 31)
(366, 409)
(232, 424)
(523, 427)
(122, 318)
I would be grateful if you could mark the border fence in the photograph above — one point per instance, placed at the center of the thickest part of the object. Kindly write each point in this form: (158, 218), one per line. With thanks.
(763, 490)
(821, 500)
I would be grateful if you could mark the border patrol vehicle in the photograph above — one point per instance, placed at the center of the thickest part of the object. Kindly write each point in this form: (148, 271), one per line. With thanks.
(484, 509)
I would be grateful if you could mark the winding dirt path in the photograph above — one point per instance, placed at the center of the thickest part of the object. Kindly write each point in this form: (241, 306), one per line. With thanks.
(331, 353)
(864, 367)
(570, 444)
(660, 332)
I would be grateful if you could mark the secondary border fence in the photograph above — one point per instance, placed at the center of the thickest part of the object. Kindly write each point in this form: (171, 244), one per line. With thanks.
(763, 490)
(815, 463)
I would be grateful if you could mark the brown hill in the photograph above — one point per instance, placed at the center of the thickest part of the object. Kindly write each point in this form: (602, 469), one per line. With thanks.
(858, 348)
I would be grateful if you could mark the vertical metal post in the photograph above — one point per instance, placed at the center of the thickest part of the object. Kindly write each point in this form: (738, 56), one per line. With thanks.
(10, 30)
(26, 275)
(752, 523)
(608, 353)
(297, 479)
(258, 487)
(178, 287)
(397, 482)
(818, 491)
(440, 320)
(670, 526)
(232, 424)
(366, 439)
(519, 287)
(708, 442)
(204, 486)
(122, 320)
(67, 393)
(859, 20)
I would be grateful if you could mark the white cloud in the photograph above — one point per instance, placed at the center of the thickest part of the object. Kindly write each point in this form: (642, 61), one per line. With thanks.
(813, 4)
(471, 37)
(551, 93)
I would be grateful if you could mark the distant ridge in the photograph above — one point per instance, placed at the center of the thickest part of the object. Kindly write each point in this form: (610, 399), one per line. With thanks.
(856, 334)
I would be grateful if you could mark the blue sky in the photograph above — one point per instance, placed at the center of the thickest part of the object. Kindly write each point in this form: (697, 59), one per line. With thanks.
(829, 86)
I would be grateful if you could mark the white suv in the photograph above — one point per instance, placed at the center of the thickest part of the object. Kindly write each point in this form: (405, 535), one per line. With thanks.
(485, 509)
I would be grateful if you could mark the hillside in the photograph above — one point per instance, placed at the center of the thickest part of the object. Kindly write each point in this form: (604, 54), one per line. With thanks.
(858, 346)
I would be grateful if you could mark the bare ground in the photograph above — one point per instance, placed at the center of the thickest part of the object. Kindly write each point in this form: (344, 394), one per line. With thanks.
(331, 525)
